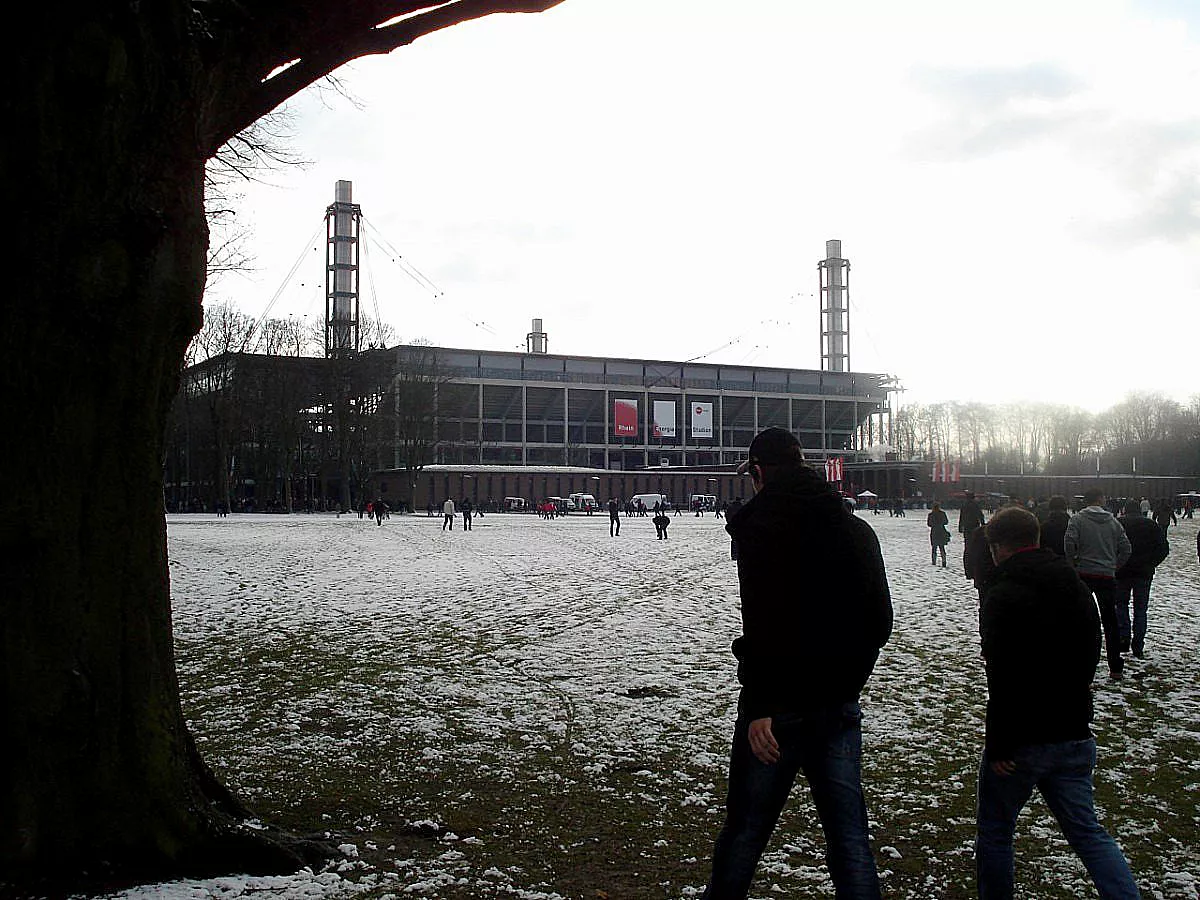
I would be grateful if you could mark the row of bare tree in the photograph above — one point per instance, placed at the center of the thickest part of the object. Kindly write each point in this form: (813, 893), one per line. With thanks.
(262, 413)
(1146, 432)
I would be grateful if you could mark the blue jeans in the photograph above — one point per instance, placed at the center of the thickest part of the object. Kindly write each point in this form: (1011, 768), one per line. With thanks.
(1063, 774)
(827, 748)
(1140, 589)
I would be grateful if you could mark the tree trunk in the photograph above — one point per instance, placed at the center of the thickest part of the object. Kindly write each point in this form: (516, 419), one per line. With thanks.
(100, 778)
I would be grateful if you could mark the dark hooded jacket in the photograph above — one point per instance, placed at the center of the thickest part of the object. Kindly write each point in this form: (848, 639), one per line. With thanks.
(816, 607)
(1041, 643)
(970, 516)
(1054, 529)
(1149, 546)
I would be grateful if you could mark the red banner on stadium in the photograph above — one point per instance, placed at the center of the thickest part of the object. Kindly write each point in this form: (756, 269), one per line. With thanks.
(946, 472)
(625, 418)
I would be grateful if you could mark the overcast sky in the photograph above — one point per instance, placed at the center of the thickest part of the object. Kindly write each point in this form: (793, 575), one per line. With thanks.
(1016, 185)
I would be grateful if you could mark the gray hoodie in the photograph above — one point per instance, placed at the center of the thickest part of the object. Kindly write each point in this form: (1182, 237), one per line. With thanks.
(1095, 542)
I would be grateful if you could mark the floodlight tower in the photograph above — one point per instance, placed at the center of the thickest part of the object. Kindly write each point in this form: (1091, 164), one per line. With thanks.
(834, 277)
(343, 220)
(537, 340)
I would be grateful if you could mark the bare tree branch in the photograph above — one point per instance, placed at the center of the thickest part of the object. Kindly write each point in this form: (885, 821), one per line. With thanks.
(348, 32)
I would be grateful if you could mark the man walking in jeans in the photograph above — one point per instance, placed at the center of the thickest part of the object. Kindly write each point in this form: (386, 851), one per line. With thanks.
(1096, 545)
(1149, 548)
(815, 611)
(1041, 644)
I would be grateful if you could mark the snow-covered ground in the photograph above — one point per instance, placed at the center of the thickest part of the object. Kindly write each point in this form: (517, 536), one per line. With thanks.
(537, 710)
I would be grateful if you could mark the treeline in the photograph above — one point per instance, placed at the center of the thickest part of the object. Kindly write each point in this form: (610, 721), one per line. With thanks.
(263, 418)
(1146, 432)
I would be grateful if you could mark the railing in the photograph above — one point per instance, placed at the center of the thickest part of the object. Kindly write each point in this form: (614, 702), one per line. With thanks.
(652, 383)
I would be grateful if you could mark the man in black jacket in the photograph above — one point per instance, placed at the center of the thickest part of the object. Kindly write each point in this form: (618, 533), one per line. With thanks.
(1054, 528)
(1041, 643)
(1149, 548)
(970, 519)
(816, 609)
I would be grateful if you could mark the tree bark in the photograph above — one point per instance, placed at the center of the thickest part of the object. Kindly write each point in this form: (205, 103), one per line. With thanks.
(100, 778)
(111, 112)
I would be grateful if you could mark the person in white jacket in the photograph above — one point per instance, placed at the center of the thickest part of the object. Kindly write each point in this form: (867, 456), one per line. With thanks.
(448, 515)
(1096, 545)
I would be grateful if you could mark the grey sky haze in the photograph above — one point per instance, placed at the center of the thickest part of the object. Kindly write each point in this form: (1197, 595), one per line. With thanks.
(1015, 184)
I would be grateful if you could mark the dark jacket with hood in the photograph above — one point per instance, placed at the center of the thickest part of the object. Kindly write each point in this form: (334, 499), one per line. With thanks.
(936, 522)
(1149, 546)
(1041, 642)
(815, 601)
(970, 516)
(977, 560)
(1054, 529)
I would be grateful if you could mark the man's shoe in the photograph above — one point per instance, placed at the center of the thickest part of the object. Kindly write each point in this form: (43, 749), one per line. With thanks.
(1114, 674)
(1139, 653)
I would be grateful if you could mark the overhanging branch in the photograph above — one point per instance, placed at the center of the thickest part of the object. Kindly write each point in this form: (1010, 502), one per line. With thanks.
(329, 50)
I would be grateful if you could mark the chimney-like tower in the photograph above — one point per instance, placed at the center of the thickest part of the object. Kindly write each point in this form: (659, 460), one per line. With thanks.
(342, 222)
(537, 340)
(834, 276)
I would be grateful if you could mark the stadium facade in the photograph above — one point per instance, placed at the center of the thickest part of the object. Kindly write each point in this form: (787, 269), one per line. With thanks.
(536, 424)
(513, 408)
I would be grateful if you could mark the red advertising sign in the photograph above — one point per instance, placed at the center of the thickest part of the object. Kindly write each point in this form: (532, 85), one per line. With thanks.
(625, 418)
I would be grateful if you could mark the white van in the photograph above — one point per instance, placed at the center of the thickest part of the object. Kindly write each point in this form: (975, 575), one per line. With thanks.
(585, 502)
(648, 501)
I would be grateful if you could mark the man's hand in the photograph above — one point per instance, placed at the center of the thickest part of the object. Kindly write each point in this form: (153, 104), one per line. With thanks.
(1004, 767)
(762, 741)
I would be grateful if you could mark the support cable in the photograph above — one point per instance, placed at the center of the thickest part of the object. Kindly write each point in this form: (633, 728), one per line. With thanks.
(422, 280)
(286, 281)
(366, 267)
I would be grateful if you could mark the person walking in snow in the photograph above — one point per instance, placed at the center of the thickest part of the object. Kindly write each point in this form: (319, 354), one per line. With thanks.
(1164, 514)
(614, 517)
(970, 517)
(661, 522)
(806, 650)
(466, 508)
(1054, 528)
(1149, 547)
(730, 511)
(1096, 545)
(1041, 643)
(448, 514)
(939, 534)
